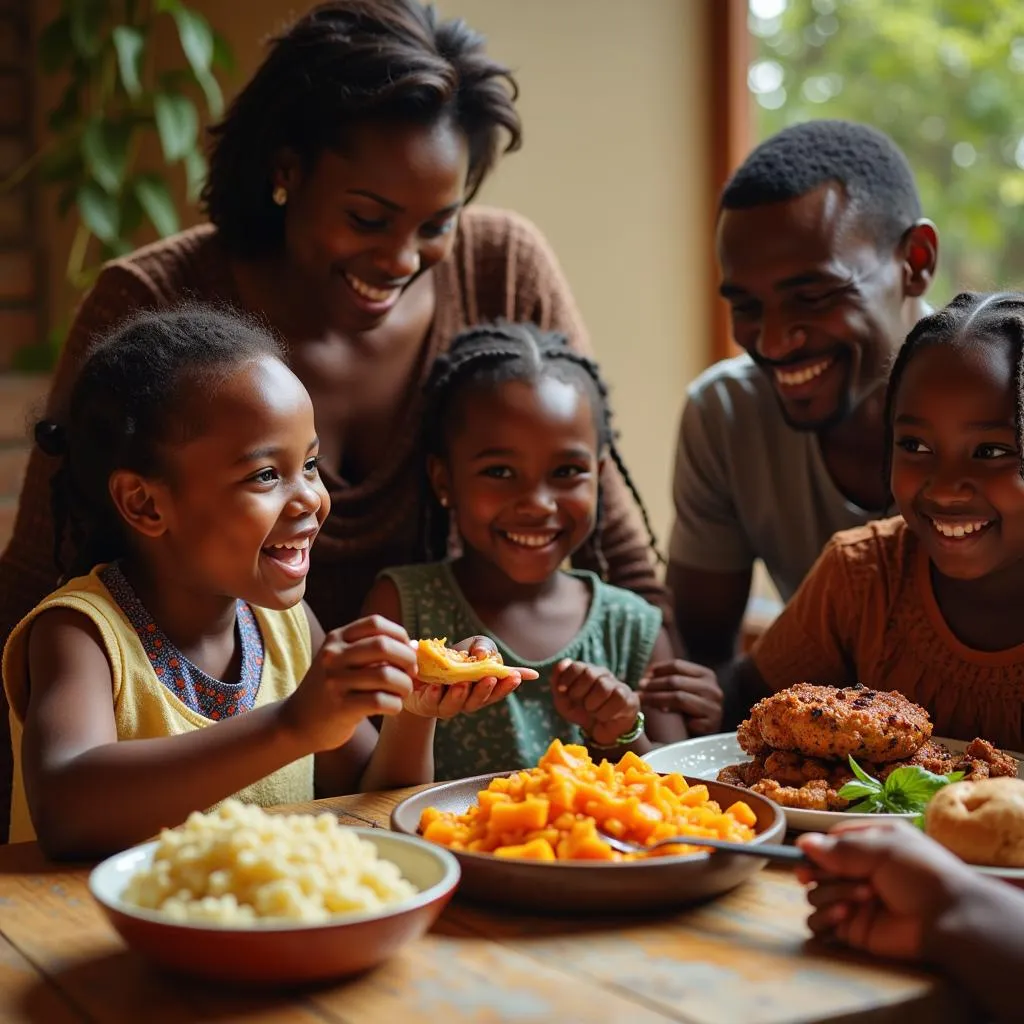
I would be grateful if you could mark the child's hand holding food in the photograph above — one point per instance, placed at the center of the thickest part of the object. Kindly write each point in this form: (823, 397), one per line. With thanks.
(461, 679)
(365, 668)
(591, 697)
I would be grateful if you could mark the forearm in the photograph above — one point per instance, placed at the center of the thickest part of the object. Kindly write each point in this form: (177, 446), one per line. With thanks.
(979, 943)
(404, 754)
(121, 793)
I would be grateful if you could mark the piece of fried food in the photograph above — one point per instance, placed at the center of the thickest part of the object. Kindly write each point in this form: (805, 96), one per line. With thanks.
(835, 723)
(981, 822)
(981, 760)
(436, 663)
(816, 795)
(813, 783)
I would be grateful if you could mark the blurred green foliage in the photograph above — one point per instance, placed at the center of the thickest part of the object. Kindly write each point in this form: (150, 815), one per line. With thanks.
(944, 78)
(114, 94)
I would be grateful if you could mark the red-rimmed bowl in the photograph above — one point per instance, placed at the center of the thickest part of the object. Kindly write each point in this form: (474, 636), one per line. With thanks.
(283, 953)
(659, 883)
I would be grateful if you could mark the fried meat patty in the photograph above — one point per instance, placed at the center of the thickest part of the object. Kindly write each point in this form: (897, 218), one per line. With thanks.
(813, 784)
(835, 723)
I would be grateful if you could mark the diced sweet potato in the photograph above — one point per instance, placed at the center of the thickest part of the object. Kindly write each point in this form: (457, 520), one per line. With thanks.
(553, 811)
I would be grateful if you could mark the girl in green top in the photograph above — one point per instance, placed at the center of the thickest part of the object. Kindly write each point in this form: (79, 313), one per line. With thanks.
(517, 429)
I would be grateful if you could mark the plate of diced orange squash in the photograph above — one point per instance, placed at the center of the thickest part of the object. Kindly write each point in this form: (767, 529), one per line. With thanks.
(532, 839)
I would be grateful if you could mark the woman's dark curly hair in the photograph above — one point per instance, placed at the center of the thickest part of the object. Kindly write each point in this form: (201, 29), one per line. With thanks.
(347, 63)
(129, 401)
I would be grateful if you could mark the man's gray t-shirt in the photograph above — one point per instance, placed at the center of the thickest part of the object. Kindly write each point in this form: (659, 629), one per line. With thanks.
(748, 486)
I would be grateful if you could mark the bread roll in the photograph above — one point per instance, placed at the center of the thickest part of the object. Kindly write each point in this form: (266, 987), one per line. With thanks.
(981, 822)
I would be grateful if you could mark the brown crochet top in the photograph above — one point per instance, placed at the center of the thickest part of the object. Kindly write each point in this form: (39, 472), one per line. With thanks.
(501, 266)
(867, 613)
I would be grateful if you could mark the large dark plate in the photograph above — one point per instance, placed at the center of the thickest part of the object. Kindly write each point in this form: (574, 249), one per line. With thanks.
(588, 886)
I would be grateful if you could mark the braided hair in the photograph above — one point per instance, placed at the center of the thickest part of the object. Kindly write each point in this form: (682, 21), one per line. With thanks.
(971, 318)
(497, 353)
(128, 402)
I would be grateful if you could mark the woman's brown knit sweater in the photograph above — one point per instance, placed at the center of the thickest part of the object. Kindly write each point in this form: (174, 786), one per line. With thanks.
(501, 266)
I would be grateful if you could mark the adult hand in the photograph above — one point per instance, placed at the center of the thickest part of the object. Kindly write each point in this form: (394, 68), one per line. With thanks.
(687, 689)
(879, 887)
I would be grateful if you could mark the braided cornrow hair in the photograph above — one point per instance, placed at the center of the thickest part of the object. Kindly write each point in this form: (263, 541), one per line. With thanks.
(496, 353)
(974, 318)
(129, 401)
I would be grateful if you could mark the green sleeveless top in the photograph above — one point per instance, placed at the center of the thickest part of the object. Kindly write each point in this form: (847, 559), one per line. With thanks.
(619, 634)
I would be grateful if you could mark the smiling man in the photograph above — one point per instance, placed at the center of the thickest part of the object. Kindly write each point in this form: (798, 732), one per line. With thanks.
(825, 258)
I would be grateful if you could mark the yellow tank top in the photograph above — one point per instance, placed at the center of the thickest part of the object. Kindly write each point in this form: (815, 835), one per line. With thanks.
(144, 708)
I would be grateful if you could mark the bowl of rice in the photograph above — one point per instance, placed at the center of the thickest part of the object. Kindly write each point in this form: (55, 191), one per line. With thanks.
(240, 895)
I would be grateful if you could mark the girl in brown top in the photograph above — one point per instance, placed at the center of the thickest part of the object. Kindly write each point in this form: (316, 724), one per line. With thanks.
(337, 192)
(930, 603)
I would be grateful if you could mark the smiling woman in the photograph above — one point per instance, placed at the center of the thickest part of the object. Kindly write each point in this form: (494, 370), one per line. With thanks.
(337, 198)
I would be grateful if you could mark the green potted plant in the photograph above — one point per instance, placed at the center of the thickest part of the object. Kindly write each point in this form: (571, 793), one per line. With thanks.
(116, 93)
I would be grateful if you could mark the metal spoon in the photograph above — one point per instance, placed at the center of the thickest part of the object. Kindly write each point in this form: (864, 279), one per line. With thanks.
(769, 851)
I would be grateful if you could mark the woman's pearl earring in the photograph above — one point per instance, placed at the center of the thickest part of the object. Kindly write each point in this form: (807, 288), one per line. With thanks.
(280, 195)
(443, 500)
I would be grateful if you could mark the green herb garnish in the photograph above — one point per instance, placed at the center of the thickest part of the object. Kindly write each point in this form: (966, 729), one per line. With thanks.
(907, 790)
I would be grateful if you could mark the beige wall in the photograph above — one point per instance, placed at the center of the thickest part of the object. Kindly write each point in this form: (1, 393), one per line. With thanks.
(613, 170)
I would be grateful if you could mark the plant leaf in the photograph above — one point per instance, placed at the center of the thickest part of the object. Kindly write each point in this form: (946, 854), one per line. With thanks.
(155, 198)
(855, 790)
(863, 775)
(195, 174)
(177, 123)
(911, 787)
(65, 113)
(55, 46)
(132, 213)
(197, 42)
(869, 805)
(196, 37)
(211, 90)
(99, 211)
(130, 44)
(105, 145)
(63, 164)
(115, 249)
(223, 54)
(87, 17)
(174, 79)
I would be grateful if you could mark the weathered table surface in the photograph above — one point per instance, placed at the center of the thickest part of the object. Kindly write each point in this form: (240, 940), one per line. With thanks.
(742, 959)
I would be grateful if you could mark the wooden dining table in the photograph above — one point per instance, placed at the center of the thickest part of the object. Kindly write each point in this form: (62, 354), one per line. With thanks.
(744, 958)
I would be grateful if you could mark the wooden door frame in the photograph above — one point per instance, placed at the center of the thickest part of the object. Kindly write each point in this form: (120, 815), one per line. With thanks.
(730, 130)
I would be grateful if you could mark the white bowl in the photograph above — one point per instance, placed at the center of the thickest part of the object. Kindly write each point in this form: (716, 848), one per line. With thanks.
(283, 953)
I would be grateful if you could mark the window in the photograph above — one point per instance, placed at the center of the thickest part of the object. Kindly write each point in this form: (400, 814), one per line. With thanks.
(944, 78)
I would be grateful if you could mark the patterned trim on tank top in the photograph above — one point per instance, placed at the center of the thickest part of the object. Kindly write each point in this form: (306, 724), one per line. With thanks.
(205, 695)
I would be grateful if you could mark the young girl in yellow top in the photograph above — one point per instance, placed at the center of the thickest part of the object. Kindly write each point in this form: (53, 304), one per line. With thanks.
(930, 603)
(188, 480)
